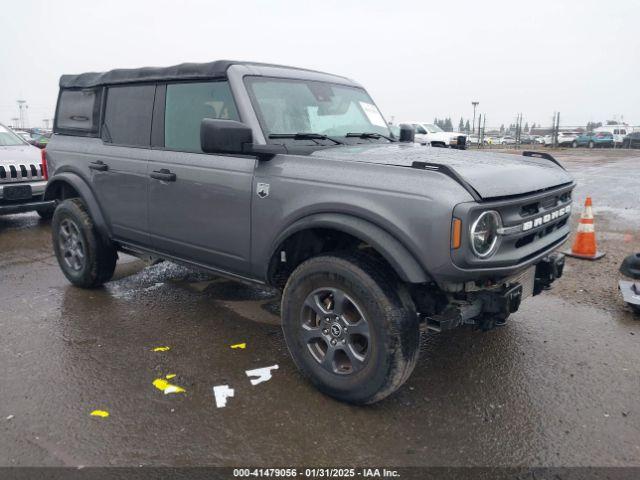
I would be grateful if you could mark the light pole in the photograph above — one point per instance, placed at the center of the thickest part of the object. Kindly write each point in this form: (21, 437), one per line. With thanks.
(473, 125)
(22, 107)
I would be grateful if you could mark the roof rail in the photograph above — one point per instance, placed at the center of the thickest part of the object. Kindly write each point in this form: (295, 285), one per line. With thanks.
(546, 156)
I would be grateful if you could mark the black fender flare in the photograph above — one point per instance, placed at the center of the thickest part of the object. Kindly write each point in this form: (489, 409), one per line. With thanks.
(76, 182)
(393, 251)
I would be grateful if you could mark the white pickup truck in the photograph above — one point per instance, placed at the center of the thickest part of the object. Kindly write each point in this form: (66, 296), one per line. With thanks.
(430, 134)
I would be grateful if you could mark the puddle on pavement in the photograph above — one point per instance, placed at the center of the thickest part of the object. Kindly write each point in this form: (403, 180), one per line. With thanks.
(135, 278)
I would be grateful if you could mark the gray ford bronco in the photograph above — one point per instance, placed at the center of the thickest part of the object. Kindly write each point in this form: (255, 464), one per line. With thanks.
(291, 179)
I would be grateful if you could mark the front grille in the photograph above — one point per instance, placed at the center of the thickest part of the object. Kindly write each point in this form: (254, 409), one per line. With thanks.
(540, 234)
(21, 173)
(545, 204)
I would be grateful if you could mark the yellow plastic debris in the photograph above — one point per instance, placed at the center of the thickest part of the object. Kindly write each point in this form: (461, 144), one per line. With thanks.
(161, 349)
(100, 413)
(166, 387)
(239, 345)
(170, 376)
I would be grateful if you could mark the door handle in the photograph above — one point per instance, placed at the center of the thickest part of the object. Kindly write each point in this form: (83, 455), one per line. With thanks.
(163, 174)
(99, 166)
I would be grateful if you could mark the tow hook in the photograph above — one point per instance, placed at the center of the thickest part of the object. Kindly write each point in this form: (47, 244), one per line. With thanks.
(547, 271)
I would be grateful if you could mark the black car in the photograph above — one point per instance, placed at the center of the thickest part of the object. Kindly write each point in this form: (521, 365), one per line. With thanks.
(631, 141)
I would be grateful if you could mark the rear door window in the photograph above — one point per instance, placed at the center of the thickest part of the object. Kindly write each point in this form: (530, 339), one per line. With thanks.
(127, 116)
(187, 104)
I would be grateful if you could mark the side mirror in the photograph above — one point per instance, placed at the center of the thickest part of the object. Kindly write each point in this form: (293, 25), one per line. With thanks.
(229, 136)
(407, 133)
(224, 136)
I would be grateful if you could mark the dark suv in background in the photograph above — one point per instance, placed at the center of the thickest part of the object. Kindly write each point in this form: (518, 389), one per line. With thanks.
(291, 179)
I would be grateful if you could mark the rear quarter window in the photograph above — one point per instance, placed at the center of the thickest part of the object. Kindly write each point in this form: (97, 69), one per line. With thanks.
(78, 112)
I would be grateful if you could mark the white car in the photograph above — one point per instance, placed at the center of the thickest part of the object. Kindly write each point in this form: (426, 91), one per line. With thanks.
(565, 139)
(506, 140)
(430, 134)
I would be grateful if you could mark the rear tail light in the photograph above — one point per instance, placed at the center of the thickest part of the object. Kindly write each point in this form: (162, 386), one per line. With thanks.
(45, 172)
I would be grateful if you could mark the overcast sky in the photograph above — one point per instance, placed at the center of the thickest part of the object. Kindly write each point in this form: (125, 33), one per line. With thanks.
(418, 59)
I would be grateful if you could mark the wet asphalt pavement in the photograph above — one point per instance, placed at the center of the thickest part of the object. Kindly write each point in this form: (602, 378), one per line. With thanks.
(558, 386)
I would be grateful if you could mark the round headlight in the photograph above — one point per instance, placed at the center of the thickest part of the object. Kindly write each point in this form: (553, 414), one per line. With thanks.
(484, 233)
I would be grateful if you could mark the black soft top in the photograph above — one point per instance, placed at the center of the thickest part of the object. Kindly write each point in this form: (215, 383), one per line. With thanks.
(184, 71)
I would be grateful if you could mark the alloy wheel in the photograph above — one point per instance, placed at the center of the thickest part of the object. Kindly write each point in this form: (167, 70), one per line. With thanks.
(335, 331)
(71, 245)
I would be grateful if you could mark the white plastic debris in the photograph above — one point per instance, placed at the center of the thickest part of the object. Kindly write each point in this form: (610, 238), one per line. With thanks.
(222, 392)
(9, 417)
(262, 374)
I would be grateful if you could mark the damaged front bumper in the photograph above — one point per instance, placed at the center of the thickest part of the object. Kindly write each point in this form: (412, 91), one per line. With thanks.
(489, 307)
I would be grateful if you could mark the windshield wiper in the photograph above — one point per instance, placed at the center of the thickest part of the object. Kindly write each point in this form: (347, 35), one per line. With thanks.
(369, 135)
(305, 136)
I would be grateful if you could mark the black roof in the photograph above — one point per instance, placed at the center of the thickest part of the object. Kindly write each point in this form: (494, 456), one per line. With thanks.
(184, 71)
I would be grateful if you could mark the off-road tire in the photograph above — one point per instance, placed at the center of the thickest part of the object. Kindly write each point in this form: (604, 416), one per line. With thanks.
(394, 335)
(99, 257)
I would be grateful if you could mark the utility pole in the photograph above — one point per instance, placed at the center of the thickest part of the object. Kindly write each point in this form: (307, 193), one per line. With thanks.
(14, 122)
(484, 124)
(473, 125)
(22, 107)
(519, 130)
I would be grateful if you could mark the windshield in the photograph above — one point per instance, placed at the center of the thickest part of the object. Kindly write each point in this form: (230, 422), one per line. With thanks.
(432, 128)
(8, 138)
(286, 106)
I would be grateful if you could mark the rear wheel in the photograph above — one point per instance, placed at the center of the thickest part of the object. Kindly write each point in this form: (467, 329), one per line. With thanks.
(350, 327)
(84, 257)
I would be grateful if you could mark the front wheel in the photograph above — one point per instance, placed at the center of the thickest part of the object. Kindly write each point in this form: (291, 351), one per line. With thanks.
(350, 327)
(84, 257)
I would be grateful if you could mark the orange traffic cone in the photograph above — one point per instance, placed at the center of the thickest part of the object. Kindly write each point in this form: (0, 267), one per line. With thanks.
(584, 246)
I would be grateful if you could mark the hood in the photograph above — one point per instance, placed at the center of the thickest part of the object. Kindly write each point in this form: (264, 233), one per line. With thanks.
(20, 155)
(490, 174)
